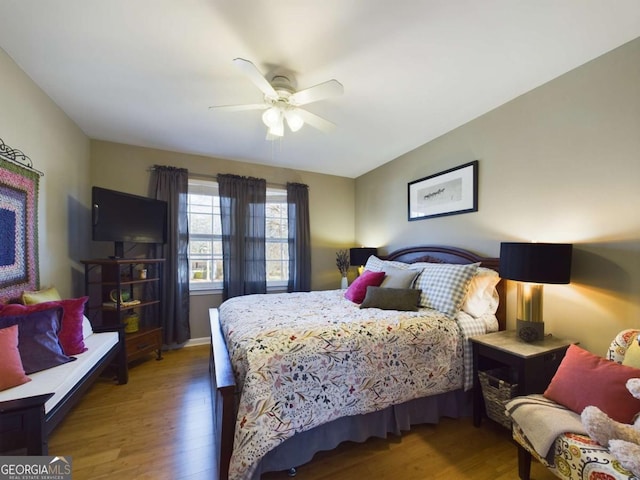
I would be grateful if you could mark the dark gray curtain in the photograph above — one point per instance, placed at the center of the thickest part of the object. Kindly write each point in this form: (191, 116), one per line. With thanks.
(171, 185)
(299, 238)
(242, 211)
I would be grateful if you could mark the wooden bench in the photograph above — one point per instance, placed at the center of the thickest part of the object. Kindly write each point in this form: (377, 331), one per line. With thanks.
(26, 421)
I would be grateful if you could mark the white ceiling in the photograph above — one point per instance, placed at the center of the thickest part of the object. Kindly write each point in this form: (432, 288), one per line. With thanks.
(144, 72)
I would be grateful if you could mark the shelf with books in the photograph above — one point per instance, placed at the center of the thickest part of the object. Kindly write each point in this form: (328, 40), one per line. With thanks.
(119, 289)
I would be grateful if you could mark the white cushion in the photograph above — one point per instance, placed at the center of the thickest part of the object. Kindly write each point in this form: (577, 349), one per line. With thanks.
(86, 327)
(398, 277)
(61, 379)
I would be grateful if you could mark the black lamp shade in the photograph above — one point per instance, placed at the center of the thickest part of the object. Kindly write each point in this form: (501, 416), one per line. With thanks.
(359, 256)
(536, 262)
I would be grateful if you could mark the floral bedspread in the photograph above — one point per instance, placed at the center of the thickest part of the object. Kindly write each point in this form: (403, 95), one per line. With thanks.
(304, 359)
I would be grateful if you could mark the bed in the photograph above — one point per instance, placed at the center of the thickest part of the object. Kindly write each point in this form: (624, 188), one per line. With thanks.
(290, 381)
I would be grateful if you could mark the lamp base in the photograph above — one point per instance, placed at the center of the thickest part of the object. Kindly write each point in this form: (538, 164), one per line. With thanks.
(530, 331)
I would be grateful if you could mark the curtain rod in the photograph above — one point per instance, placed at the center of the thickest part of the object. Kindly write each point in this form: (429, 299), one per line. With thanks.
(209, 176)
(16, 157)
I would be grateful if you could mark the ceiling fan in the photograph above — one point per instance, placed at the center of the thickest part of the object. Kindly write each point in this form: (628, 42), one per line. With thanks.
(282, 102)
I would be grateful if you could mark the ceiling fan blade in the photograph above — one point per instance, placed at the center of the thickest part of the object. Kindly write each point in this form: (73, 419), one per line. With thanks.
(331, 88)
(250, 70)
(240, 108)
(316, 121)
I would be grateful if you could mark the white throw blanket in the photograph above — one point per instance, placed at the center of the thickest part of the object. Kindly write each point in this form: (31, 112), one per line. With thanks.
(542, 421)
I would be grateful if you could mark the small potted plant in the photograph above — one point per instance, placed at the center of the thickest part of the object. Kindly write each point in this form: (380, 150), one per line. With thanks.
(342, 262)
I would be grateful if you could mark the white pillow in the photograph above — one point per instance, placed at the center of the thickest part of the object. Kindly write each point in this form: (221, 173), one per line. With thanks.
(444, 286)
(86, 327)
(398, 277)
(482, 297)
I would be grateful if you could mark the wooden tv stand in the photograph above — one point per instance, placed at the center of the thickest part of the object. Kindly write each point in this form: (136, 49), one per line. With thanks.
(144, 341)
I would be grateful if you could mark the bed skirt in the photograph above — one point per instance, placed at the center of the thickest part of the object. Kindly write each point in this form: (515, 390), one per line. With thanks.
(301, 448)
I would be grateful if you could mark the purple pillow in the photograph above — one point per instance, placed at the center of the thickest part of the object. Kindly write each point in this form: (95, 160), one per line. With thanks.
(70, 333)
(38, 339)
(358, 289)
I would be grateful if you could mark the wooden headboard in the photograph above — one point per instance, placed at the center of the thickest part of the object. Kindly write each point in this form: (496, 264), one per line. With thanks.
(441, 254)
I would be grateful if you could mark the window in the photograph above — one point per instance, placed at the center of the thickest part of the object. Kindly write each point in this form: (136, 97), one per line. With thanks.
(205, 237)
(277, 238)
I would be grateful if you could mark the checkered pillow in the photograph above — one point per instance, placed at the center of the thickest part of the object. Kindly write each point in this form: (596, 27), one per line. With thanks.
(444, 286)
(374, 264)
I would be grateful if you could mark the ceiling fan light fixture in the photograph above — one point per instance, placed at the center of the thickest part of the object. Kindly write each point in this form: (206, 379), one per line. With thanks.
(294, 120)
(282, 102)
(272, 117)
(276, 130)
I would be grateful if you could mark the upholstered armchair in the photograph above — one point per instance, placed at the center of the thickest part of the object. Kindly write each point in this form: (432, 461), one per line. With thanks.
(572, 456)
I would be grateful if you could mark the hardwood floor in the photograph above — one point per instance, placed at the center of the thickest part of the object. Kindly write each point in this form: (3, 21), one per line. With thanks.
(159, 427)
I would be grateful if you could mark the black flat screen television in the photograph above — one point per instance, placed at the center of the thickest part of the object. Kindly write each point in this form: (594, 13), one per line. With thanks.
(122, 217)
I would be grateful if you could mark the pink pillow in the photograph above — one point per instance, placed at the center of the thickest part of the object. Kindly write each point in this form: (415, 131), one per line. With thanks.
(11, 369)
(70, 334)
(358, 289)
(585, 379)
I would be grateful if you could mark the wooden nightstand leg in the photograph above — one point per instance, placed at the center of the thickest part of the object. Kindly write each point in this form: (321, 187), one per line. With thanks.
(477, 406)
(477, 392)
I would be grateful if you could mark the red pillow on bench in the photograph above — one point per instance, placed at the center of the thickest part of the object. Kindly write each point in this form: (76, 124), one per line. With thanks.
(585, 379)
(70, 334)
(11, 369)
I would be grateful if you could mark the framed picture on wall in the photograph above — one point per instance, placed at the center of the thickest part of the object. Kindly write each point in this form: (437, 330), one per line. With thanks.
(450, 192)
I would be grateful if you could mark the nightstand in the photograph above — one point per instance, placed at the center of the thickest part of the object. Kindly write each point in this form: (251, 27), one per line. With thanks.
(532, 364)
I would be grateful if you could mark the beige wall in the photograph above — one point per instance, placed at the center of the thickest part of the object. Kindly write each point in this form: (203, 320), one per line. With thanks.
(31, 122)
(558, 164)
(331, 198)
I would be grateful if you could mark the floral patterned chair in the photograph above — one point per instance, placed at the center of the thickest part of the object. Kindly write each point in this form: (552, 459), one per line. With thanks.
(576, 456)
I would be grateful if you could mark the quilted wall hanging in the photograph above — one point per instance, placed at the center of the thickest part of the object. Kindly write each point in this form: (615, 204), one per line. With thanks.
(18, 223)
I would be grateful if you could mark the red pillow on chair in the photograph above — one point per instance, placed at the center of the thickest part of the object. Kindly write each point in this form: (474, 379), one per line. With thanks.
(358, 289)
(585, 379)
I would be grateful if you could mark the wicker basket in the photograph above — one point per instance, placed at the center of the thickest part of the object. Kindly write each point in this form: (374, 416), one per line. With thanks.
(497, 391)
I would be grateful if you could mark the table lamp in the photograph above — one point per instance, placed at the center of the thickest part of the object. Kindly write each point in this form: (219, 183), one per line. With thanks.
(532, 265)
(358, 256)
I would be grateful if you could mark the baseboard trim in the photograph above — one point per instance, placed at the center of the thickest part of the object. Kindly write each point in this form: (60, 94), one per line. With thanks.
(194, 342)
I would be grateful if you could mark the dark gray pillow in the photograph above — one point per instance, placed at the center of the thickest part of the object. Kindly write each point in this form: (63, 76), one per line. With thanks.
(405, 299)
